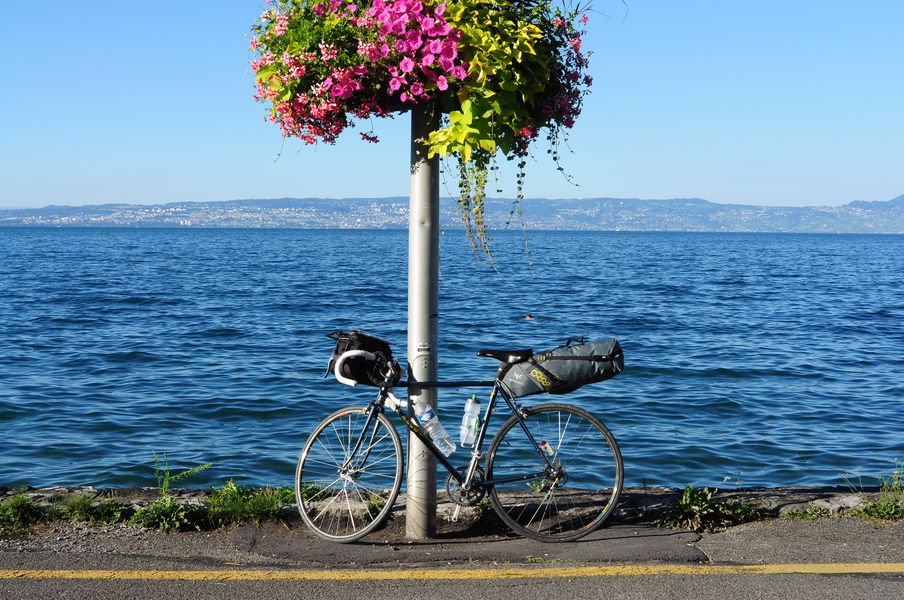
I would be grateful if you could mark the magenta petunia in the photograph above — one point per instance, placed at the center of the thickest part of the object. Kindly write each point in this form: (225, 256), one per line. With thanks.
(442, 83)
(407, 65)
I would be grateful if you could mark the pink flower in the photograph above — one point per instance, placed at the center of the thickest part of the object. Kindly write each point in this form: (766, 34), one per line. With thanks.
(459, 73)
(435, 46)
(427, 60)
(584, 19)
(440, 10)
(414, 39)
(417, 88)
(328, 52)
(395, 83)
(407, 65)
(442, 83)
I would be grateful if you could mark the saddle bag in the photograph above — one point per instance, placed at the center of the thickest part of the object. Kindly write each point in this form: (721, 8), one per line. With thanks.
(564, 369)
(378, 372)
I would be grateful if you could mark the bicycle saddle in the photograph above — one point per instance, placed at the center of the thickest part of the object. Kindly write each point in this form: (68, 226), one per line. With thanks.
(507, 356)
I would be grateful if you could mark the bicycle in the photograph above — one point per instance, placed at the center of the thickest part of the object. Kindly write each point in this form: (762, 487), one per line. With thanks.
(553, 472)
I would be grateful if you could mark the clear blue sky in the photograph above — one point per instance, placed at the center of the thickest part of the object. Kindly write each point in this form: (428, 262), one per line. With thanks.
(778, 103)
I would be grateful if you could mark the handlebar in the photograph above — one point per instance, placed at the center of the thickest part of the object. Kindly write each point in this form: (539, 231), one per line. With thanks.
(345, 356)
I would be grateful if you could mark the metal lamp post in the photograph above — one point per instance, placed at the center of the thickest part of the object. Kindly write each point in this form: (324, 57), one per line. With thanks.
(423, 309)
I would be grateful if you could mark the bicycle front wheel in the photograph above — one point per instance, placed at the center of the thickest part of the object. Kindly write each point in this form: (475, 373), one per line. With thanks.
(569, 494)
(349, 474)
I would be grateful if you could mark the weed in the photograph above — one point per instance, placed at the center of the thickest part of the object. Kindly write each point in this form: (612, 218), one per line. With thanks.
(111, 512)
(78, 508)
(165, 478)
(889, 505)
(286, 495)
(699, 510)
(375, 503)
(811, 513)
(17, 513)
(167, 515)
(83, 508)
(233, 504)
(309, 491)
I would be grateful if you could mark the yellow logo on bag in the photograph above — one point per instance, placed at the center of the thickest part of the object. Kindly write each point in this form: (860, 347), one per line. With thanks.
(541, 379)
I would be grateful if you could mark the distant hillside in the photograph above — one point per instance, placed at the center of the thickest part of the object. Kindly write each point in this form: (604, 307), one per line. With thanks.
(606, 214)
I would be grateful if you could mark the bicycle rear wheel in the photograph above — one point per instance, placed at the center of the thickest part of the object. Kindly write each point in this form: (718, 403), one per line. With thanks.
(343, 500)
(571, 497)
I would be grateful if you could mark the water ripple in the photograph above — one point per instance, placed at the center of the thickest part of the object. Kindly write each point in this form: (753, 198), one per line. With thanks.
(751, 359)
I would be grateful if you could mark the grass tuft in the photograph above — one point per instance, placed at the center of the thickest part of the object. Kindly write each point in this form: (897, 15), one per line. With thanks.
(233, 504)
(17, 514)
(889, 505)
(699, 510)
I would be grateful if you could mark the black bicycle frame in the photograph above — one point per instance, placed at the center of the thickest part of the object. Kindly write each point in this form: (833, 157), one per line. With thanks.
(464, 480)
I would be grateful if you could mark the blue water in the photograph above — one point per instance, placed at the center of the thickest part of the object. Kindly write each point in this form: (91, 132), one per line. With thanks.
(769, 359)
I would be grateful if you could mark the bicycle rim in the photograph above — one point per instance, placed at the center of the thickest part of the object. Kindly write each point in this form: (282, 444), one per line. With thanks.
(344, 503)
(569, 500)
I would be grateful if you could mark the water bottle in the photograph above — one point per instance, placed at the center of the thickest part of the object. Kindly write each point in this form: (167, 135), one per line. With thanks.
(429, 422)
(470, 422)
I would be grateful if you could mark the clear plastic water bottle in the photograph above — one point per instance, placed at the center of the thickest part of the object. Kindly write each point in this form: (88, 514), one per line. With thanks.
(428, 420)
(470, 422)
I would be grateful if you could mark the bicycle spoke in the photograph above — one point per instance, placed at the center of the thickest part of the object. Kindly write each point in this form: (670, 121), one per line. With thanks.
(353, 489)
(581, 474)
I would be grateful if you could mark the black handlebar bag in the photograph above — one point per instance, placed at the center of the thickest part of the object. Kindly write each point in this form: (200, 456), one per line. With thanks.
(564, 369)
(379, 372)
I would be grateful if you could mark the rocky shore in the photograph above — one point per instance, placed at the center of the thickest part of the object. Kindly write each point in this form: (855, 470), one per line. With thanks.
(636, 505)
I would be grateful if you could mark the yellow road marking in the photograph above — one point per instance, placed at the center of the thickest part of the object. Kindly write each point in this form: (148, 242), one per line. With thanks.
(504, 573)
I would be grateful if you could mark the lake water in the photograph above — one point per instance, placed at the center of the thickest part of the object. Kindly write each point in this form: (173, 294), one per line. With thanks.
(752, 359)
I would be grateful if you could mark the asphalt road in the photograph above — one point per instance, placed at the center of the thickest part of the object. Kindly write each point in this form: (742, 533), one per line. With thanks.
(839, 557)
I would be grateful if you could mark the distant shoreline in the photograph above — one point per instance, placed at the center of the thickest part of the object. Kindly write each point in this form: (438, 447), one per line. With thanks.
(536, 214)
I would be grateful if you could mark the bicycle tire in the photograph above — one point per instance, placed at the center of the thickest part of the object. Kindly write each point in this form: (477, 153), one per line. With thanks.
(345, 506)
(561, 504)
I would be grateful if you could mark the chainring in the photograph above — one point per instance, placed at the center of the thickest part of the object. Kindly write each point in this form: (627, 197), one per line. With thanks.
(462, 497)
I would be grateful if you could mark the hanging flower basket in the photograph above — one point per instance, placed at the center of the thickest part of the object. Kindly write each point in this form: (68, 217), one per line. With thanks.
(501, 72)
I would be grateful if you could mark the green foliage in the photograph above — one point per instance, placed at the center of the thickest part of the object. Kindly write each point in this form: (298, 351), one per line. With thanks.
(165, 478)
(499, 71)
(889, 505)
(375, 503)
(507, 78)
(309, 491)
(167, 515)
(83, 508)
(699, 510)
(78, 508)
(234, 504)
(18, 513)
(811, 513)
